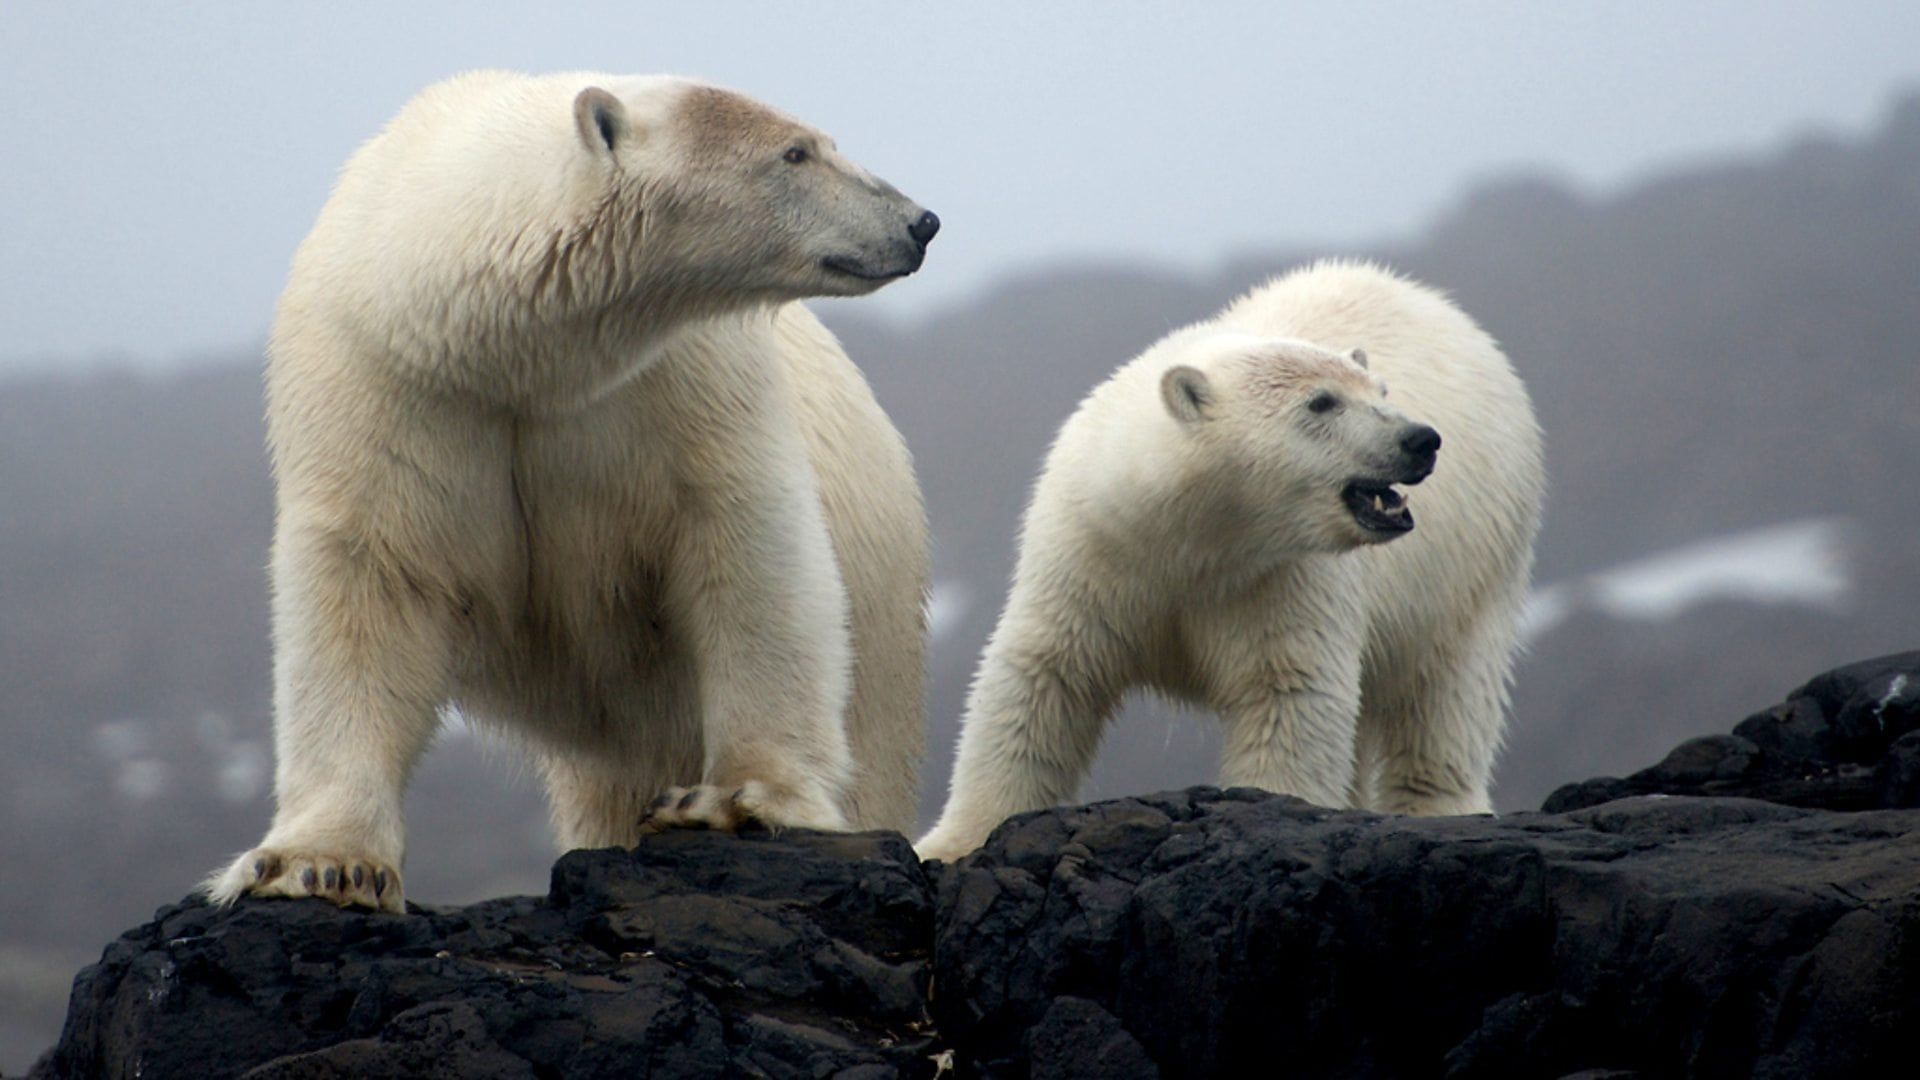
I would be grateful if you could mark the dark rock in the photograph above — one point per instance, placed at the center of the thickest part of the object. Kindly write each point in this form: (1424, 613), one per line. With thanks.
(1797, 729)
(1848, 715)
(1078, 1040)
(1700, 937)
(1896, 779)
(1738, 909)
(1830, 745)
(698, 954)
(1584, 793)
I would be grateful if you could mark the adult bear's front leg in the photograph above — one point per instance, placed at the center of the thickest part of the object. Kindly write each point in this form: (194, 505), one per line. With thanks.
(759, 594)
(360, 668)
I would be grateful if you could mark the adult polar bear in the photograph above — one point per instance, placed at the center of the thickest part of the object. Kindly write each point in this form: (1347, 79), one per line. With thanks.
(1212, 523)
(552, 446)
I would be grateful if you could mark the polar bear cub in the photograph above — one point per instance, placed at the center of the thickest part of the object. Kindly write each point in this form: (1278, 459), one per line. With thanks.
(552, 446)
(1223, 522)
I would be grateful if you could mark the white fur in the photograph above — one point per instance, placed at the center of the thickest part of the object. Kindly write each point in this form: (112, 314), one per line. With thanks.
(1202, 551)
(551, 446)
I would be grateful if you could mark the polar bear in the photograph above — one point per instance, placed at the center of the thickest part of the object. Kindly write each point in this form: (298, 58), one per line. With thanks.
(554, 448)
(1218, 522)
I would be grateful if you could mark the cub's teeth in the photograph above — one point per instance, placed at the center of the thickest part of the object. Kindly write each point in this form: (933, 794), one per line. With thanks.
(1379, 504)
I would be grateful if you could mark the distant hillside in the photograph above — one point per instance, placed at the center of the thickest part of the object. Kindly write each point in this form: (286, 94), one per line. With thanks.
(1717, 351)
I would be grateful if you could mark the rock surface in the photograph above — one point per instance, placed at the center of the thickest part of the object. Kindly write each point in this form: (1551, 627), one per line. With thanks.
(1215, 930)
(696, 955)
(1847, 740)
(1691, 930)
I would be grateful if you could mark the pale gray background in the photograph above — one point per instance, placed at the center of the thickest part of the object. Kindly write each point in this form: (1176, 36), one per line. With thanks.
(159, 161)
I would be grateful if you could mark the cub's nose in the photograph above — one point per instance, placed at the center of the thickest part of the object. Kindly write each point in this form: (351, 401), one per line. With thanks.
(923, 229)
(1420, 441)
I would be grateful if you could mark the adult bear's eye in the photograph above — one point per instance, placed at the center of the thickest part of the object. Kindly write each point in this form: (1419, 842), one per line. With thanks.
(1323, 402)
(796, 155)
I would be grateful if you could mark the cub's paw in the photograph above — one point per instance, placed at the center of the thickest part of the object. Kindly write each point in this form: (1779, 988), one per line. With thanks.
(942, 844)
(702, 806)
(347, 880)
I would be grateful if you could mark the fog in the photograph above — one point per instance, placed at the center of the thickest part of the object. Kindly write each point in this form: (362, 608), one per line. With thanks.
(162, 161)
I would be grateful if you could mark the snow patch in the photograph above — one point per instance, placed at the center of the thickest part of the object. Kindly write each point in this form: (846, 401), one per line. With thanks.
(947, 604)
(141, 779)
(1803, 563)
(1546, 608)
(244, 768)
(1894, 689)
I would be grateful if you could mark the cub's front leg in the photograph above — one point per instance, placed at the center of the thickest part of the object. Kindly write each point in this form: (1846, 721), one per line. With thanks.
(1283, 673)
(1285, 680)
(1294, 739)
(360, 668)
(1047, 685)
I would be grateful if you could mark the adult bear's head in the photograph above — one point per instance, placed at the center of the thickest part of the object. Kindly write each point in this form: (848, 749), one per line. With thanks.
(732, 196)
(537, 239)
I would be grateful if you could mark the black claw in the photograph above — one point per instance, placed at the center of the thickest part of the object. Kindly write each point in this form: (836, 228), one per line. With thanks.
(660, 804)
(738, 793)
(331, 878)
(379, 882)
(359, 876)
(308, 878)
(687, 800)
(259, 869)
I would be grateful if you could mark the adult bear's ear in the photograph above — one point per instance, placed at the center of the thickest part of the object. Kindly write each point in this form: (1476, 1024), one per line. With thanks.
(600, 119)
(1359, 357)
(1188, 393)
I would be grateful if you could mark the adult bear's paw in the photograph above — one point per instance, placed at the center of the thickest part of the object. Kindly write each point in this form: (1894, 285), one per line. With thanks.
(350, 880)
(708, 806)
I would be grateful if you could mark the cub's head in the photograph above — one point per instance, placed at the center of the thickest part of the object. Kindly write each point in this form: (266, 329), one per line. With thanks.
(1300, 436)
(733, 195)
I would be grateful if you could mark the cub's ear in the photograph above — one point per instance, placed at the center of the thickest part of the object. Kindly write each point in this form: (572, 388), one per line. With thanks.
(1358, 356)
(1188, 393)
(600, 119)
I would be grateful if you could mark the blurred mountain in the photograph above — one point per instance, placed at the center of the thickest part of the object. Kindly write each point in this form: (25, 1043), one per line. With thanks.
(1724, 361)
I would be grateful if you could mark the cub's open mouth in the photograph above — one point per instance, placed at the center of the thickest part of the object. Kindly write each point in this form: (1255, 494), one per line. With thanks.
(1377, 507)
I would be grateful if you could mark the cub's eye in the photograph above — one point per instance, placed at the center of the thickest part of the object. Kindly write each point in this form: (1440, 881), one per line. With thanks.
(1323, 402)
(796, 155)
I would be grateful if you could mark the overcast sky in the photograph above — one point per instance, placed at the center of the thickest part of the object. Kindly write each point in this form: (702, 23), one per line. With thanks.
(160, 161)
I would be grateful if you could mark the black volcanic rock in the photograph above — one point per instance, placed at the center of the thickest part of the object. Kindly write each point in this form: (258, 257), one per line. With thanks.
(1225, 933)
(1837, 743)
(1192, 933)
(696, 955)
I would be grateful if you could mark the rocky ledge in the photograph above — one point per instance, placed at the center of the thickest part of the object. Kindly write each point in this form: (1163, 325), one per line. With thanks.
(1847, 740)
(1749, 907)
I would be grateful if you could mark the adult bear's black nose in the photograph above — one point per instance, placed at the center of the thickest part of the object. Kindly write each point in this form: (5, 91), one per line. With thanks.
(922, 230)
(1420, 441)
